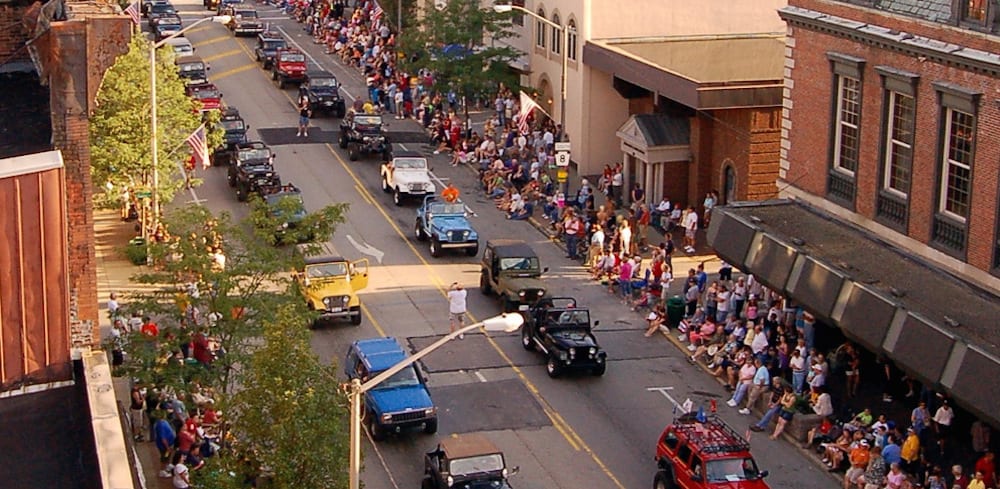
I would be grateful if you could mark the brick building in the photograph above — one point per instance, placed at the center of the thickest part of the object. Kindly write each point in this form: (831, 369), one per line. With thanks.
(889, 164)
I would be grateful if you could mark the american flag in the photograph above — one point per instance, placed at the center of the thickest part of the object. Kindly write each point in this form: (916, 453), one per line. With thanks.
(527, 106)
(377, 11)
(133, 11)
(199, 146)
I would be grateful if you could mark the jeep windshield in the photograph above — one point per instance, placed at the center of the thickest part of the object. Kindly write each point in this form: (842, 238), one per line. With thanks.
(572, 318)
(327, 270)
(323, 82)
(404, 378)
(233, 125)
(409, 164)
(191, 68)
(161, 8)
(207, 93)
(274, 45)
(254, 154)
(477, 465)
(519, 264)
(246, 14)
(293, 58)
(164, 22)
(447, 209)
(731, 470)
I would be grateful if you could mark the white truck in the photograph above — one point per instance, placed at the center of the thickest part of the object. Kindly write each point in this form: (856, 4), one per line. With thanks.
(407, 176)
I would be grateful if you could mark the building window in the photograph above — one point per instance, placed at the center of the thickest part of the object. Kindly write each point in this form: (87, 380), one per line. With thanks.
(518, 17)
(571, 39)
(973, 10)
(540, 30)
(956, 156)
(845, 135)
(956, 164)
(898, 126)
(557, 34)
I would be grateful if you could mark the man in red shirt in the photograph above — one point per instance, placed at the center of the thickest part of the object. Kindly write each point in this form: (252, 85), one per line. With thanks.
(986, 465)
(149, 328)
(202, 349)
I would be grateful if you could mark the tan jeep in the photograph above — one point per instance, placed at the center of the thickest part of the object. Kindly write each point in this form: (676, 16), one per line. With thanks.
(330, 283)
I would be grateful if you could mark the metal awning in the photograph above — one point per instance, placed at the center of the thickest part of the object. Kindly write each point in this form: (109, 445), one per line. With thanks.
(712, 72)
(934, 325)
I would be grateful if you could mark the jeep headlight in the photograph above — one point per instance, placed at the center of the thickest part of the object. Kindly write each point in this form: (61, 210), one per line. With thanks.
(572, 352)
(592, 351)
(345, 299)
(563, 356)
(504, 472)
(450, 481)
(465, 234)
(430, 411)
(386, 418)
(284, 225)
(521, 293)
(327, 301)
(541, 293)
(366, 139)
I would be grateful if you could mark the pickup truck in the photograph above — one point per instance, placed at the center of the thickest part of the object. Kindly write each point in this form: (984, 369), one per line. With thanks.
(406, 176)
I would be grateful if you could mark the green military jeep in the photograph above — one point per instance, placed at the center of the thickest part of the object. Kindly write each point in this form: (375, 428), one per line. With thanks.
(510, 268)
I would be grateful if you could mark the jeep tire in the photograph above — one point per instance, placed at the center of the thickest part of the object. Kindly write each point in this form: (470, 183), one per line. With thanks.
(397, 197)
(418, 231)
(472, 251)
(435, 247)
(342, 140)
(431, 426)
(241, 193)
(508, 305)
(484, 283)
(385, 185)
(378, 434)
(356, 318)
(427, 483)
(552, 368)
(662, 481)
(600, 369)
(353, 151)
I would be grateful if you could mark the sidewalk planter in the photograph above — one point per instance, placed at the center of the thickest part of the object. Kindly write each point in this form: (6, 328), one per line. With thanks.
(800, 425)
(136, 250)
(675, 311)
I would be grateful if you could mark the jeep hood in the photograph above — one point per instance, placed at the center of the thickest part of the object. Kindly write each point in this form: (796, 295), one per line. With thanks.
(324, 91)
(410, 176)
(754, 484)
(443, 224)
(573, 338)
(521, 283)
(326, 287)
(401, 399)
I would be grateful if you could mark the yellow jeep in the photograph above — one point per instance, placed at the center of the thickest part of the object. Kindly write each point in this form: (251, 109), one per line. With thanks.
(329, 282)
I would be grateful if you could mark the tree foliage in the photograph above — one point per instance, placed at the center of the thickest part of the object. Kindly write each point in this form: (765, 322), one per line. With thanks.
(120, 128)
(284, 221)
(463, 45)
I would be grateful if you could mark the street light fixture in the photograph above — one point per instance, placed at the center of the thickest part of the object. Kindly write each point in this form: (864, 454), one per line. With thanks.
(153, 142)
(507, 8)
(507, 323)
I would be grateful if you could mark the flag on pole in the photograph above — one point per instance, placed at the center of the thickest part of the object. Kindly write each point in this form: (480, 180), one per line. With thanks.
(199, 146)
(377, 11)
(527, 106)
(133, 11)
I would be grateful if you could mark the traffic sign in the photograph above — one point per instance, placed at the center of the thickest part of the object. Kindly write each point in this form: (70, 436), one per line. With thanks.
(562, 146)
(562, 158)
(143, 194)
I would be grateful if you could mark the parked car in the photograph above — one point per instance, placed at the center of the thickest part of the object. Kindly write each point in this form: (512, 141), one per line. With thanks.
(268, 44)
(511, 270)
(700, 451)
(446, 225)
(330, 283)
(407, 176)
(466, 461)
(400, 403)
(563, 332)
(364, 134)
(323, 92)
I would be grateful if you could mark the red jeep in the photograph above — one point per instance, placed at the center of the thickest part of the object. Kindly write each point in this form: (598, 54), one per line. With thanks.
(206, 93)
(705, 454)
(289, 66)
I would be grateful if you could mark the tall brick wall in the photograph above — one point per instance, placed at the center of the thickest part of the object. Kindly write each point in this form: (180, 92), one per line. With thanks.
(747, 140)
(13, 35)
(808, 116)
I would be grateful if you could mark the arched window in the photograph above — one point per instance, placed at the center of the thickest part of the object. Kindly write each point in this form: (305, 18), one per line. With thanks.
(540, 30)
(571, 39)
(557, 34)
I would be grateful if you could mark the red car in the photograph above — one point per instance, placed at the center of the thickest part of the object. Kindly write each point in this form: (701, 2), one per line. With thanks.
(702, 452)
(207, 94)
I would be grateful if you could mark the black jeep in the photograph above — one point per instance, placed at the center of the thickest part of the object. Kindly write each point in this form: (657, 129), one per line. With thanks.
(468, 461)
(192, 70)
(253, 170)
(236, 134)
(564, 333)
(324, 94)
(364, 134)
(268, 44)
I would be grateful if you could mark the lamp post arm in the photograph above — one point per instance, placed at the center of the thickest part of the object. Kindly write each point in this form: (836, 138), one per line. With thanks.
(219, 18)
(536, 16)
(378, 379)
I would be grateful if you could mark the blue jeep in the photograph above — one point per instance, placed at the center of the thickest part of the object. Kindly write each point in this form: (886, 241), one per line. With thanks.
(447, 226)
(401, 402)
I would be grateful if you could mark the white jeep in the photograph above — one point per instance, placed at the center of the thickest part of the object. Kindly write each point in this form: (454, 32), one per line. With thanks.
(407, 176)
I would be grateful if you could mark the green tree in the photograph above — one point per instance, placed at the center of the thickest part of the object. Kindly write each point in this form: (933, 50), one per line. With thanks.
(120, 127)
(463, 45)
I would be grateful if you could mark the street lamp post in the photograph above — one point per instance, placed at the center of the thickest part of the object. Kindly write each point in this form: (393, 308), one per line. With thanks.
(504, 322)
(504, 8)
(153, 139)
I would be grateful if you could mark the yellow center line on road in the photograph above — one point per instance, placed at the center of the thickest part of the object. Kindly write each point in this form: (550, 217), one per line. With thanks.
(557, 420)
(238, 69)
(224, 54)
(364, 194)
(212, 40)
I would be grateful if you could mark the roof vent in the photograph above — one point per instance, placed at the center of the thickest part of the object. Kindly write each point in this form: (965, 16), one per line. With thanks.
(756, 220)
(951, 322)
(799, 241)
(897, 292)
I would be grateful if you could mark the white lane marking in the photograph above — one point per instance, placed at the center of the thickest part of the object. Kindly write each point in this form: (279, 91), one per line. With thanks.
(314, 60)
(367, 249)
(479, 376)
(381, 459)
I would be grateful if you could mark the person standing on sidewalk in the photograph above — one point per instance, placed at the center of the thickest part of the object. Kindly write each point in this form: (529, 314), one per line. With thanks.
(137, 408)
(456, 307)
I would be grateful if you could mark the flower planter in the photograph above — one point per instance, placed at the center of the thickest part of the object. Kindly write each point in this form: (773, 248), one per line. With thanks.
(800, 425)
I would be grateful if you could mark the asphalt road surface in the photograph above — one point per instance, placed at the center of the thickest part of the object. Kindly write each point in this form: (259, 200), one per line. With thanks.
(571, 432)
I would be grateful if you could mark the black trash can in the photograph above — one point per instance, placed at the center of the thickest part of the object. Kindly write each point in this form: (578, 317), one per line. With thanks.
(675, 311)
(136, 250)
